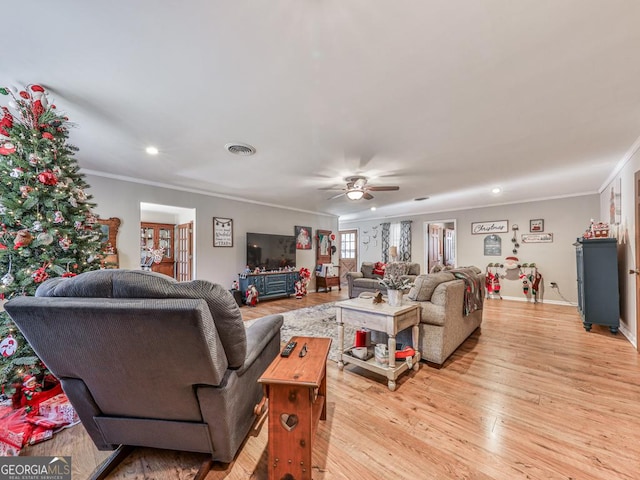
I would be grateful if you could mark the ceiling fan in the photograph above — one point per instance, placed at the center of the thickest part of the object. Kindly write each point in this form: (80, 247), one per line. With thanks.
(358, 188)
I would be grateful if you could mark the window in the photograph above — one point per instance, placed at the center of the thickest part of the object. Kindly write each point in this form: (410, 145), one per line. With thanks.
(394, 235)
(348, 245)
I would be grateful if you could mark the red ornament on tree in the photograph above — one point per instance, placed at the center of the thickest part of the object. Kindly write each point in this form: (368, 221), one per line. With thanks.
(40, 275)
(47, 177)
(47, 135)
(6, 122)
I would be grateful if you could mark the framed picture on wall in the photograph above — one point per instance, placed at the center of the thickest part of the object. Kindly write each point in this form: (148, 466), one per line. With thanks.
(222, 232)
(303, 238)
(536, 225)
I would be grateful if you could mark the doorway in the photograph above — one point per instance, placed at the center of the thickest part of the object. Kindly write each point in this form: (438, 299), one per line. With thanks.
(440, 243)
(636, 182)
(171, 250)
(348, 260)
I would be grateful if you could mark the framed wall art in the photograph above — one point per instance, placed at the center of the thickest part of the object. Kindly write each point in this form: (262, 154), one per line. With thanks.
(483, 228)
(492, 245)
(303, 238)
(536, 225)
(222, 232)
(537, 237)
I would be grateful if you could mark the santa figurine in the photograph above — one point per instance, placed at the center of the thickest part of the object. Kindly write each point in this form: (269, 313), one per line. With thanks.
(300, 290)
(252, 296)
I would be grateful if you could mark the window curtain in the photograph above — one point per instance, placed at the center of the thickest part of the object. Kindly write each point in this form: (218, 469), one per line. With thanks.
(384, 241)
(404, 249)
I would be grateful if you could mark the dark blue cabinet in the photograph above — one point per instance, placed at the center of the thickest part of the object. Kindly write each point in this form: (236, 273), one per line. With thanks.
(270, 284)
(598, 292)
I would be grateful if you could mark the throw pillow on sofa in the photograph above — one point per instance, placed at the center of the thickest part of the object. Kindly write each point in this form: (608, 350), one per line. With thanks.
(396, 269)
(379, 269)
(424, 285)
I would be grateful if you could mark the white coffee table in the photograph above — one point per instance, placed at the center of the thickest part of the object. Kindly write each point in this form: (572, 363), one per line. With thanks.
(362, 312)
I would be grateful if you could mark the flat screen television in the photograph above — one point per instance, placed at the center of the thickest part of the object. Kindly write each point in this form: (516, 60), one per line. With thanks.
(271, 252)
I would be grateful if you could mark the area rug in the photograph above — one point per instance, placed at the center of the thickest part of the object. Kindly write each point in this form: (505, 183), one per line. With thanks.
(318, 321)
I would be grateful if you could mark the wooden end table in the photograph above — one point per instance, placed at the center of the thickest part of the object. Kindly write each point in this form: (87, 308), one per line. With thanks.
(362, 312)
(296, 388)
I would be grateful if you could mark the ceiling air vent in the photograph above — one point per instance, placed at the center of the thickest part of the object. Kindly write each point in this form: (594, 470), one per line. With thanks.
(240, 148)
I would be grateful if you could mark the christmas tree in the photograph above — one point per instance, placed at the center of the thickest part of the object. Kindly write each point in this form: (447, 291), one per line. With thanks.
(47, 228)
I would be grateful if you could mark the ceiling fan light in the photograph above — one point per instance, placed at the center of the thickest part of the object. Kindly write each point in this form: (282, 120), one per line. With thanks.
(355, 194)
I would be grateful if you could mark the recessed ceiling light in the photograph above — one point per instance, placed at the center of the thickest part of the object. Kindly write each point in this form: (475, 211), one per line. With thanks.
(240, 148)
(420, 199)
(496, 190)
(151, 150)
(373, 209)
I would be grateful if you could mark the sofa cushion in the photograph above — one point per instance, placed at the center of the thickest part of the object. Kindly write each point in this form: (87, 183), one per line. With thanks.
(367, 269)
(414, 269)
(424, 285)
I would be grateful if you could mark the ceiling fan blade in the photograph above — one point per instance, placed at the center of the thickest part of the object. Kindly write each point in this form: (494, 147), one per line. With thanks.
(367, 196)
(336, 196)
(383, 188)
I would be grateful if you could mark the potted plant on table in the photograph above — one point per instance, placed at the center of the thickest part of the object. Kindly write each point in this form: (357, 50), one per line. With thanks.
(396, 286)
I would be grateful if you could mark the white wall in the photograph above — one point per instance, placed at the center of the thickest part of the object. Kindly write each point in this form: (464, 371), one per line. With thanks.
(566, 218)
(117, 198)
(625, 231)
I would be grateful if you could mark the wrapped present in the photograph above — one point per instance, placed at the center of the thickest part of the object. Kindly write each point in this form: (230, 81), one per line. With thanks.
(40, 434)
(58, 409)
(7, 450)
(14, 430)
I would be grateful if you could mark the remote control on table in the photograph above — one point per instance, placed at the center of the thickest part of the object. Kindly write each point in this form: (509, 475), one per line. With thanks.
(286, 351)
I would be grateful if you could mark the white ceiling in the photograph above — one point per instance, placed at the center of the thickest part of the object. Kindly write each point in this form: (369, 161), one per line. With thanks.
(444, 98)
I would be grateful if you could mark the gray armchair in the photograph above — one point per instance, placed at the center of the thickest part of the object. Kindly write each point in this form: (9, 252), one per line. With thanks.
(149, 361)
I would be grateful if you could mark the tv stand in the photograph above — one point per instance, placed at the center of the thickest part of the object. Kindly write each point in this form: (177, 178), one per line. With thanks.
(269, 284)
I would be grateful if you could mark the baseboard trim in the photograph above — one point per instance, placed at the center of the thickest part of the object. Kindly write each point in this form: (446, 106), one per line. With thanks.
(530, 300)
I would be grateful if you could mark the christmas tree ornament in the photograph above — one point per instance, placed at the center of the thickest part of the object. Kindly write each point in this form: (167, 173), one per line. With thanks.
(64, 243)
(16, 172)
(6, 122)
(57, 217)
(7, 148)
(44, 238)
(73, 202)
(47, 135)
(8, 346)
(7, 279)
(47, 178)
(37, 226)
(23, 239)
(33, 159)
(40, 275)
(25, 190)
(80, 195)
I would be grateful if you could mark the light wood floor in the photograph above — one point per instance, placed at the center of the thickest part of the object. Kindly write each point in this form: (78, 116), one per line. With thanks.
(530, 395)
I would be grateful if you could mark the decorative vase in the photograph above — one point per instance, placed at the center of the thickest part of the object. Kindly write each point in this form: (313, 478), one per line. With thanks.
(394, 297)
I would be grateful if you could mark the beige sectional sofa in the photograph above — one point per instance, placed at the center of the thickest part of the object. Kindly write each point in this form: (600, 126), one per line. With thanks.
(444, 325)
(366, 281)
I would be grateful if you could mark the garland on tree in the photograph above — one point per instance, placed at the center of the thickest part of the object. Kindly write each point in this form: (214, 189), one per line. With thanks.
(47, 228)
